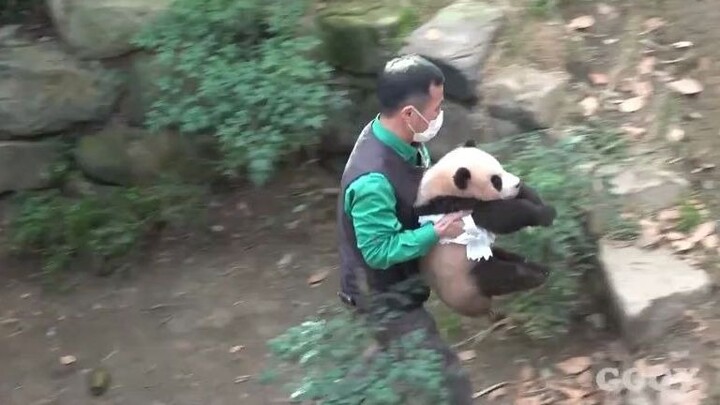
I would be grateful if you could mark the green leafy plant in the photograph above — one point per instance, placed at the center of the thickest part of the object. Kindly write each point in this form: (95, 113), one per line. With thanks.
(103, 226)
(330, 351)
(556, 171)
(241, 70)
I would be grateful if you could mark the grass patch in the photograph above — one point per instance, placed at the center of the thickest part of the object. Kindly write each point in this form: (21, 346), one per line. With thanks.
(555, 170)
(103, 227)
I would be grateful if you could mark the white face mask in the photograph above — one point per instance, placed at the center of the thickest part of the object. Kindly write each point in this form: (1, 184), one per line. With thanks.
(432, 129)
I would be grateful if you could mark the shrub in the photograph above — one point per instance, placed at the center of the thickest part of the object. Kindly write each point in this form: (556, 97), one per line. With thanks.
(102, 226)
(335, 370)
(242, 70)
(567, 247)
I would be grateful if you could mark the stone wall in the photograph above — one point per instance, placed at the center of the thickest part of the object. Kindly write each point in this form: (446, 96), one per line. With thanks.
(89, 85)
(459, 38)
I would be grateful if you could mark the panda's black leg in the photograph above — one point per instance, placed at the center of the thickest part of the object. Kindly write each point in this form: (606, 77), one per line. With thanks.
(507, 273)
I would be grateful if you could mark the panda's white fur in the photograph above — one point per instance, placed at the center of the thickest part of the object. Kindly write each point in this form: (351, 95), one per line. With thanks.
(447, 267)
(438, 178)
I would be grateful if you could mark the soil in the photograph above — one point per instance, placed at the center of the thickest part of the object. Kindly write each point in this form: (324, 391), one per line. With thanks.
(190, 322)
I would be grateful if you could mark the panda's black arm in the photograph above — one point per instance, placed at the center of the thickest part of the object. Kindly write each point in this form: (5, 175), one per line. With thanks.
(528, 193)
(508, 216)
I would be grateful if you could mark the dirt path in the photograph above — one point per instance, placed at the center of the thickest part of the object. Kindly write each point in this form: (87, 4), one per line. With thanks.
(168, 332)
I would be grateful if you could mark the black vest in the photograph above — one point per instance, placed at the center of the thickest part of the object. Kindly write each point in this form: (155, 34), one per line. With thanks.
(399, 286)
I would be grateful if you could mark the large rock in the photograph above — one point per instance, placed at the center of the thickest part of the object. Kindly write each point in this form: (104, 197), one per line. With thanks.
(102, 28)
(359, 36)
(458, 38)
(129, 156)
(645, 185)
(27, 165)
(526, 97)
(649, 289)
(342, 129)
(42, 89)
(142, 89)
(460, 123)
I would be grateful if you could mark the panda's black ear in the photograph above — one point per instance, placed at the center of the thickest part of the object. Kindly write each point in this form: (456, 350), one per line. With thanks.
(461, 178)
(470, 143)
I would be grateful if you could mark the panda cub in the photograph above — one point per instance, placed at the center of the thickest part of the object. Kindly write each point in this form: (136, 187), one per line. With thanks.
(467, 271)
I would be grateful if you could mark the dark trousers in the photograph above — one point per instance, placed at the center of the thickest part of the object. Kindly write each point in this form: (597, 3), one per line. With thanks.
(393, 328)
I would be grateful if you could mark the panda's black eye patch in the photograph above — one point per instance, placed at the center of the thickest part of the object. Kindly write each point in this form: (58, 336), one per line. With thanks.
(496, 182)
(461, 178)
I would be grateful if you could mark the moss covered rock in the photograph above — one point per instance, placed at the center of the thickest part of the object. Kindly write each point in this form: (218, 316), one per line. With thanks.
(102, 28)
(359, 36)
(130, 156)
(459, 38)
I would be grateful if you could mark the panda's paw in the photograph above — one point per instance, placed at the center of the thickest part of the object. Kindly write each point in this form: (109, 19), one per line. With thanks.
(547, 215)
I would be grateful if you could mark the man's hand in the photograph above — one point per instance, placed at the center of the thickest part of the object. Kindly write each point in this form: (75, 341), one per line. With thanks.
(450, 225)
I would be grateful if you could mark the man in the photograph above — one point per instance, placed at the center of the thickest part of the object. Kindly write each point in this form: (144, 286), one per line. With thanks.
(379, 237)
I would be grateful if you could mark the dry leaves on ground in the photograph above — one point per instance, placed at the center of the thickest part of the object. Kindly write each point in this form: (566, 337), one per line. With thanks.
(599, 79)
(686, 86)
(675, 134)
(575, 365)
(632, 104)
(581, 23)
(590, 106)
(662, 229)
(317, 278)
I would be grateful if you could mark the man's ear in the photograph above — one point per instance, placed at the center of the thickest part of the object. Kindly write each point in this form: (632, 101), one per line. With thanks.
(461, 178)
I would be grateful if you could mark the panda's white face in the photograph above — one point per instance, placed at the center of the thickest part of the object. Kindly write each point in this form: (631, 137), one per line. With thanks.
(468, 172)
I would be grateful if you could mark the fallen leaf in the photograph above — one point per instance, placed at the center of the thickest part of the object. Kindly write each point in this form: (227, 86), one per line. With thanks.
(651, 370)
(634, 132)
(599, 79)
(236, 349)
(643, 88)
(632, 104)
(585, 379)
(675, 236)
(646, 65)
(241, 379)
(682, 246)
(670, 214)
(590, 106)
(686, 86)
(526, 373)
(582, 22)
(675, 135)
(682, 44)
(318, 277)
(651, 24)
(605, 9)
(702, 231)
(711, 242)
(571, 393)
(575, 365)
(285, 260)
(650, 233)
(466, 355)
(67, 360)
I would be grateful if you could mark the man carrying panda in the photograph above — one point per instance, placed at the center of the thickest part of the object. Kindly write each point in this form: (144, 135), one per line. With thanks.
(380, 241)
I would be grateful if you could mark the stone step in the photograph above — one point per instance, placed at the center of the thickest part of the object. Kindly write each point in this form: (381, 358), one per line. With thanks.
(649, 290)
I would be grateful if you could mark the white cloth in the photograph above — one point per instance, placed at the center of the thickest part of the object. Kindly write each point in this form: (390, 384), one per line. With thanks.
(478, 240)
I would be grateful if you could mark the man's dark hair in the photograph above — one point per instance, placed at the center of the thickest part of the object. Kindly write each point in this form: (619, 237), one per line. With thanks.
(406, 80)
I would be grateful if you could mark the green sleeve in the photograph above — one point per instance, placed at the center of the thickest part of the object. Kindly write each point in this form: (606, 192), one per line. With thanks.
(370, 202)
